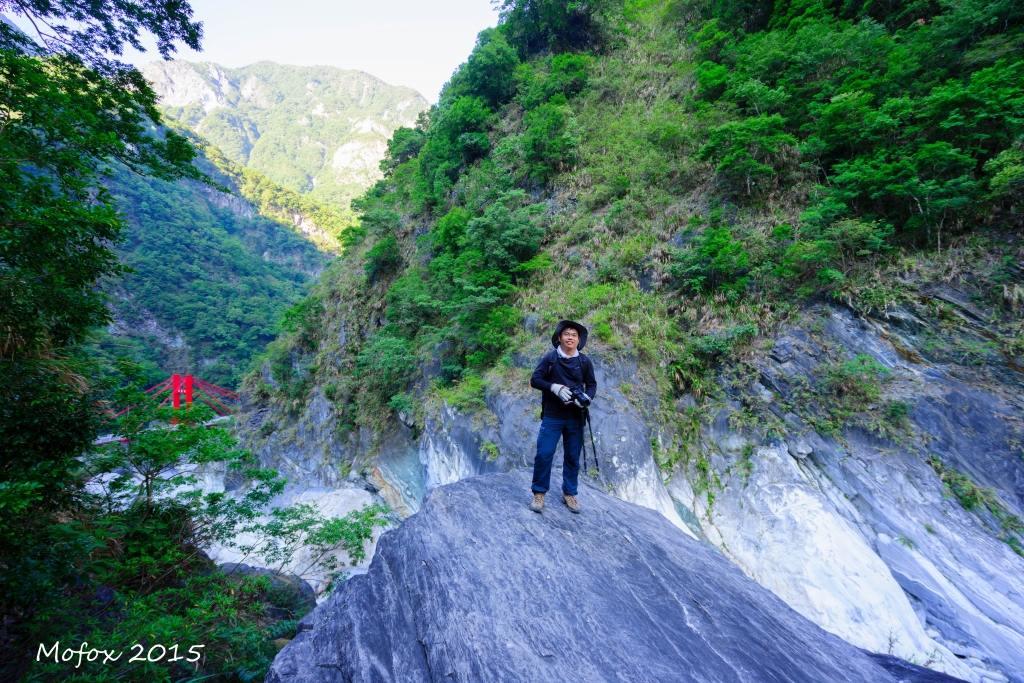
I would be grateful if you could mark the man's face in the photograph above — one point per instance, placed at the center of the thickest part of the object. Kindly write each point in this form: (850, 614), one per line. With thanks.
(569, 338)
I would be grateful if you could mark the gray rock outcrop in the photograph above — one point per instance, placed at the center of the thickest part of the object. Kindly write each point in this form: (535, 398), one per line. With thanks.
(475, 587)
(451, 447)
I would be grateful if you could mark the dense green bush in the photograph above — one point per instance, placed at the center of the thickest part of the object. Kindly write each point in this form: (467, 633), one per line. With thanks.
(383, 257)
(749, 153)
(489, 73)
(713, 260)
(536, 26)
(551, 139)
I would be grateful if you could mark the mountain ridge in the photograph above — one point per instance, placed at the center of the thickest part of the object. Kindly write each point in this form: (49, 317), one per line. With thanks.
(319, 130)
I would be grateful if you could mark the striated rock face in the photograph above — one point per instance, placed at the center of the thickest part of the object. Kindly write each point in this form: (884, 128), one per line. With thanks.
(306, 450)
(478, 588)
(859, 534)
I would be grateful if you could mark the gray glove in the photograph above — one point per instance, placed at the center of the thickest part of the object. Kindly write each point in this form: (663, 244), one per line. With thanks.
(561, 391)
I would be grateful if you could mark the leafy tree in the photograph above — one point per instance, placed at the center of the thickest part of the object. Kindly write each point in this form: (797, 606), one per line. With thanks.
(405, 143)
(749, 153)
(92, 32)
(535, 26)
(1007, 171)
(564, 74)
(64, 124)
(935, 183)
(68, 116)
(383, 257)
(551, 139)
(455, 137)
(383, 367)
(489, 73)
(714, 259)
(505, 235)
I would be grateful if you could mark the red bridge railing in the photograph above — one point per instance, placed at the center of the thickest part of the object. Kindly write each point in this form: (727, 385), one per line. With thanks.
(187, 388)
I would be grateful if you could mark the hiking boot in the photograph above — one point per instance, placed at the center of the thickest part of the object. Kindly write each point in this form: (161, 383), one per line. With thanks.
(572, 503)
(538, 502)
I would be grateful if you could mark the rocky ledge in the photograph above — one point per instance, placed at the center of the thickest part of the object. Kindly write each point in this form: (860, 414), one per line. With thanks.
(475, 587)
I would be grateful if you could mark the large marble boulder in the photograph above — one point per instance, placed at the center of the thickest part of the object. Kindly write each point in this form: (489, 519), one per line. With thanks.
(476, 587)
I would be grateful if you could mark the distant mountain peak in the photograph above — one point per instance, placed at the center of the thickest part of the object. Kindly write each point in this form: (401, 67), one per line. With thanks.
(315, 129)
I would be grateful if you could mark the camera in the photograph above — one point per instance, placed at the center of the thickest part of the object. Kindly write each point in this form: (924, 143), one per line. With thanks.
(579, 398)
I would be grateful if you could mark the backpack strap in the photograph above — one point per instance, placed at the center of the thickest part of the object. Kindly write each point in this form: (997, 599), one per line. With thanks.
(551, 365)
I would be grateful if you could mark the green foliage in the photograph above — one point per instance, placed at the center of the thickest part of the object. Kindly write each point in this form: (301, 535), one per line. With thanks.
(404, 144)
(304, 320)
(456, 136)
(477, 261)
(451, 228)
(383, 368)
(551, 139)
(854, 382)
(749, 153)
(287, 530)
(834, 142)
(92, 33)
(1007, 170)
(64, 124)
(489, 73)
(120, 560)
(535, 26)
(822, 255)
(468, 394)
(901, 121)
(564, 74)
(383, 257)
(713, 260)
(490, 450)
(896, 412)
(220, 280)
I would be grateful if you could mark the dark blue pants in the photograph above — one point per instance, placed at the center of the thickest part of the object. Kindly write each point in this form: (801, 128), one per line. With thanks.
(571, 433)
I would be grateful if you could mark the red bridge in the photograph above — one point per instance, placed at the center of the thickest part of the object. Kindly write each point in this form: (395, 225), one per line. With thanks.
(176, 387)
(188, 387)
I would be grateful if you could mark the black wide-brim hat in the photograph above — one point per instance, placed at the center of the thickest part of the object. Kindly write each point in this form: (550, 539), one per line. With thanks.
(562, 324)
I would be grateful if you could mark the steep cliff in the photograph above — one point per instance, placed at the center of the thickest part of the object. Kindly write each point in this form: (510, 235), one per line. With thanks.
(823, 385)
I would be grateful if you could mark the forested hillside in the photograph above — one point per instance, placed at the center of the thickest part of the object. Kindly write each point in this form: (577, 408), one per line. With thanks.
(317, 130)
(212, 272)
(794, 232)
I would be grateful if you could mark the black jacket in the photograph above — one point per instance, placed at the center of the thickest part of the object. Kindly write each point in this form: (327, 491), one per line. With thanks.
(577, 372)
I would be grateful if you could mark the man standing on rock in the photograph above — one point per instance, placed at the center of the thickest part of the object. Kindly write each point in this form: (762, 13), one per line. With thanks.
(561, 372)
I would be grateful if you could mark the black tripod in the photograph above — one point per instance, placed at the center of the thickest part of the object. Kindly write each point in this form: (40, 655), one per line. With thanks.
(585, 418)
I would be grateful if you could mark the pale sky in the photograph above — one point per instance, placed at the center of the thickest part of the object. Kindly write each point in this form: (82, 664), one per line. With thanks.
(417, 43)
